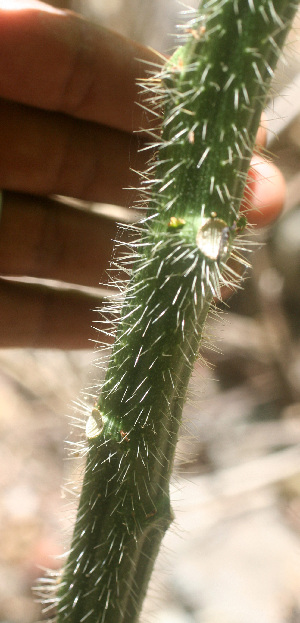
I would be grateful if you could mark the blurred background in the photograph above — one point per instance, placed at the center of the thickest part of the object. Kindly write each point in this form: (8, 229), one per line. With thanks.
(233, 553)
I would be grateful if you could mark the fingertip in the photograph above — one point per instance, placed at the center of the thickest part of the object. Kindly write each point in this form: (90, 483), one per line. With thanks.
(265, 192)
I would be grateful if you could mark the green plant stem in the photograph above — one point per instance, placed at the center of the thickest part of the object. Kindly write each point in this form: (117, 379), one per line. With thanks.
(212, 91)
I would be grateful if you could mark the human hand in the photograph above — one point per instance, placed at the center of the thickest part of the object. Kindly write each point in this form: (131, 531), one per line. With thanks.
(69, 127)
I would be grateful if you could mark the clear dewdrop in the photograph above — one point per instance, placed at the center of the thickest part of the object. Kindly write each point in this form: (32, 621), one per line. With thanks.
(210, 238)
(94, 424)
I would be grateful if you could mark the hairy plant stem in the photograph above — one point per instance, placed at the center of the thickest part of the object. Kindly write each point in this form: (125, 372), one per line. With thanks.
(212, 92)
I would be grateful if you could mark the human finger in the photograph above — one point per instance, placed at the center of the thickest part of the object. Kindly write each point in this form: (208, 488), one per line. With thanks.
(62, 62)
(50, 153)
(47, 239)
(265, 189)
(37, 316)
(265, 192)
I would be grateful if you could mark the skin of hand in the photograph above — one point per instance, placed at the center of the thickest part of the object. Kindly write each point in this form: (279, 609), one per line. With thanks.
(71, 127)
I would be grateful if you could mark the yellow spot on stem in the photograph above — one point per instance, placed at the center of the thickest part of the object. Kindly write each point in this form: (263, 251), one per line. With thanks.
(176, 222)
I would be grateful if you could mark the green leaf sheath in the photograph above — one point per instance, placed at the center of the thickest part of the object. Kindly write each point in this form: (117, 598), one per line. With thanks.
(212, 92)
